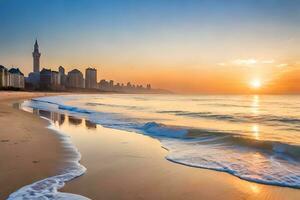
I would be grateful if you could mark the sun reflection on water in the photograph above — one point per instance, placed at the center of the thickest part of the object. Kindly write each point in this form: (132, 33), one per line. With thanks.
(255, 131)
(255, 104)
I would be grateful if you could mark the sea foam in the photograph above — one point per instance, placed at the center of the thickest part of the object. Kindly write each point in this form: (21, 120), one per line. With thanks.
(47, 189)
(262, 161)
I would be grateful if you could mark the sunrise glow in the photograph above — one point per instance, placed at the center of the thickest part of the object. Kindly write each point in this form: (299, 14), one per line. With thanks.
(256, 84)
(197, 47)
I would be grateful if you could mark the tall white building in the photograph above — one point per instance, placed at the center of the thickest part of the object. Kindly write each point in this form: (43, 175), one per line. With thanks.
(91, 78)
(75, 79)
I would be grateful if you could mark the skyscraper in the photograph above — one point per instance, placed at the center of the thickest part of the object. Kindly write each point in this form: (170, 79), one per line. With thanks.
(62, 75)
(91, 78)
(75, 79)
(36, 58)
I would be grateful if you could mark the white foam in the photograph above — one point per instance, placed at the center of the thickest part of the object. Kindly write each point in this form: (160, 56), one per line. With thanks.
(47, 189)
(156, 129)
(260, 161)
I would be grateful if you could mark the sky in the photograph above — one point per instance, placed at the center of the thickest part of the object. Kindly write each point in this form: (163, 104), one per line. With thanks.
(201, 46)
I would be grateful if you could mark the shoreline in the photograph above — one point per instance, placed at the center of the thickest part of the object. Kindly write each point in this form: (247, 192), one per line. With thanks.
(131, 171)
(26, 155)
(153, 176)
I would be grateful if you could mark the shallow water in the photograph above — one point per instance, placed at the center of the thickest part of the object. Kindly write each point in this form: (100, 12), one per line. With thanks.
(252, 137)
(47, 189)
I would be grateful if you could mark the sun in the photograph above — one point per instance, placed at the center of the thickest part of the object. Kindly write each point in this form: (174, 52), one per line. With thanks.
(256, 83)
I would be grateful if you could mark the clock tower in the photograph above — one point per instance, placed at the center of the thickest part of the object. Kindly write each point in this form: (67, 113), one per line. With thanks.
(36, 58)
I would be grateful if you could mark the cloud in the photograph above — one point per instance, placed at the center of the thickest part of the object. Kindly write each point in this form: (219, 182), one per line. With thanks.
(267, 61)
(246, 62)
(282, 65)
(222, 64)
(252, 62)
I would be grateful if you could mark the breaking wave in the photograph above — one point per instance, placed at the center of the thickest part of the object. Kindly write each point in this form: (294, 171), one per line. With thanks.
(234, 118)
(263, 161)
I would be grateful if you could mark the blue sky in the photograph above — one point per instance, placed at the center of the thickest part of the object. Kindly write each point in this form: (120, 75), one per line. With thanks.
(138, 35)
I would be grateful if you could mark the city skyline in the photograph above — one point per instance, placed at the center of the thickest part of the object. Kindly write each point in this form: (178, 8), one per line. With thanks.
(185, 46)
(49, 79)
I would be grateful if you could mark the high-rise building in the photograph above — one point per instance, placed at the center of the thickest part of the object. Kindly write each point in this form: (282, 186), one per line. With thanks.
(45, 79)
(3, 77)
(62, 75)
(36, 58)
(149, 86)
(55, 80)
(75, 79)
(61, 70)
(111, 84)
(91, 78)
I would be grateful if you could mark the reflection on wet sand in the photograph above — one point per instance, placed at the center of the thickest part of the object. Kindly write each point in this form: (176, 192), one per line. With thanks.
(74, 120)
(90, 125)
(61, 118)
(55, 117)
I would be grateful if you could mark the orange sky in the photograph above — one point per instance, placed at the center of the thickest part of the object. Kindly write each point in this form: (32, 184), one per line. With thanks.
(187, 46)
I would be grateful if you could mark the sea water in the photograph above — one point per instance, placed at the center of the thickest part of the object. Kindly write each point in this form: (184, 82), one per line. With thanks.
(256, 138)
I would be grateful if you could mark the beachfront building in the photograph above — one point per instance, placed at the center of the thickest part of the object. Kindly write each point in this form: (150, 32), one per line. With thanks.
(148, 86)
(91, 78)
(63, 77)
(55, 80)
(50, 80)
(36, 57)
(75, 79)
(12, 78)
(16, 78)
(3, 77)
(105, 85)
(33, 80)
(45, 79)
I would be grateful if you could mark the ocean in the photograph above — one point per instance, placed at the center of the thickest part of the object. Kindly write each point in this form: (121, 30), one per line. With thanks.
(255, 138)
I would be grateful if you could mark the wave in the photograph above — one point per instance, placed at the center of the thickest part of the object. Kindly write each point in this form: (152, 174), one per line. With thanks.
(207, 115)
(236, 117)
(161, 130)
(47, 189)
(74, 109)
(113, 105)
(269, 162)
(210, 137)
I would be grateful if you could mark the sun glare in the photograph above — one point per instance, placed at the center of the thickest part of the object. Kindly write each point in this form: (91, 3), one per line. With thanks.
(255, 84)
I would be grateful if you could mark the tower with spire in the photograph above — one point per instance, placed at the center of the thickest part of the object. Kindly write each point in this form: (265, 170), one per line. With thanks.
(36, 57)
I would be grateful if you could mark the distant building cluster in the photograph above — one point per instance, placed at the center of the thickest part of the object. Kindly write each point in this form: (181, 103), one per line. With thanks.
(120, 87)
(47, 79)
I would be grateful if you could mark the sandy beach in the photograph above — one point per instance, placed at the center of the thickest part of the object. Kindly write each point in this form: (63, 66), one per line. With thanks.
(28, 151)
(120, 164)
(124, 165)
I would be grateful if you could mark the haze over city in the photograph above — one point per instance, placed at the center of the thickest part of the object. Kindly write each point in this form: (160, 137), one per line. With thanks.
(184, 46)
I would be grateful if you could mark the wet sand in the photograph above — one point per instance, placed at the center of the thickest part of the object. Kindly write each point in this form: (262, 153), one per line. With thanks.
(120, 164)
(28, 151)
(124, 165)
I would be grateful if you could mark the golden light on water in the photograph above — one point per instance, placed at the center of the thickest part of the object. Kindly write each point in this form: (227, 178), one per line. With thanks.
(255, 105)
(255, 131)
